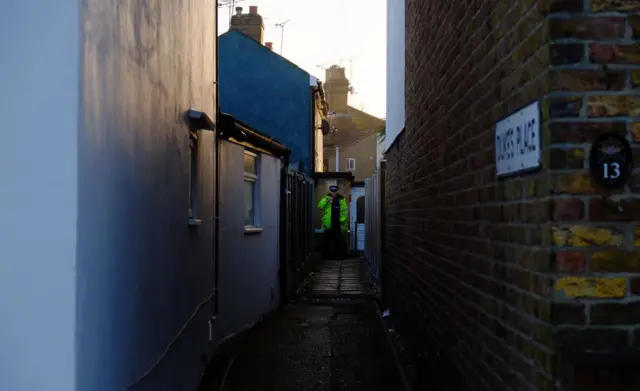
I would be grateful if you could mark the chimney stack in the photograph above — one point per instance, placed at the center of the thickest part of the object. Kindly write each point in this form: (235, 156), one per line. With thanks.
(249, 24)
(336, 87)
(269, 45)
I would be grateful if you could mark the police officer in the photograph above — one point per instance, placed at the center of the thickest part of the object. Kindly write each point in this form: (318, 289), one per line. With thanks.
(334, 222)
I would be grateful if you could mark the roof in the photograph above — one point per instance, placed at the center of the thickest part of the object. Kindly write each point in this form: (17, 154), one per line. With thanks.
(365, 126)
(347, 140)
(333, 175)
(258, 44)
(232, 127)
(365, 121)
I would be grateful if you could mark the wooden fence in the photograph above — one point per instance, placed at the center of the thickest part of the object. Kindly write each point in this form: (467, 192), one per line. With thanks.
(296, 233)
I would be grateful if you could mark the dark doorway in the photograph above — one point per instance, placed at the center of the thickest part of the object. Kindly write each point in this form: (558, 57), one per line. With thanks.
(360, 210)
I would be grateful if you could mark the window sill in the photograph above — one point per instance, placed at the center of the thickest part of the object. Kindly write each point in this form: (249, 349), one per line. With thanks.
(194, 222)
(252, 230)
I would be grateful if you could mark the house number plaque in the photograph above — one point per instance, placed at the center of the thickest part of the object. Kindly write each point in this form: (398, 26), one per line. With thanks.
(611, 160)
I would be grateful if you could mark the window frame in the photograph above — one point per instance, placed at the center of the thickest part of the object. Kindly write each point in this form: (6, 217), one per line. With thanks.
(254, 179)
(350, 159)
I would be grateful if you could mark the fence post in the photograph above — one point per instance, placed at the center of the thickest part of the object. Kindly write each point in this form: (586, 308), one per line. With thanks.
(382, 225)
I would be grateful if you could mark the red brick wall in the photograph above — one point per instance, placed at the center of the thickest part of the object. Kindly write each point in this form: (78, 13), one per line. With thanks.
(480, 265)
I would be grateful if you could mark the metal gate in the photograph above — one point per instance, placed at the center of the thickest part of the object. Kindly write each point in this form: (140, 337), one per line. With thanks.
(374, 218)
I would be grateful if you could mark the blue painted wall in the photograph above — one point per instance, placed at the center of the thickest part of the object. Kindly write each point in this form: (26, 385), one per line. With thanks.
(98, 268)
(267, 92)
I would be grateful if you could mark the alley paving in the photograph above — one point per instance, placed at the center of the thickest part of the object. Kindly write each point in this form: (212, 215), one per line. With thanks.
(330, 339)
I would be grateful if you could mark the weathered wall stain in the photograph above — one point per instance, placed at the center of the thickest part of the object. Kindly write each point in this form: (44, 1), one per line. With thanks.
(141, 269)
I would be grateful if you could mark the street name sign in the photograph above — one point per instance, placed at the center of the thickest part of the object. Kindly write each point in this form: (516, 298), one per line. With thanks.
(517, 141)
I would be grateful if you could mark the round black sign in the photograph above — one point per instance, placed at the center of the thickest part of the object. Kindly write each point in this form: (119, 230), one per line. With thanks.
(611, 160)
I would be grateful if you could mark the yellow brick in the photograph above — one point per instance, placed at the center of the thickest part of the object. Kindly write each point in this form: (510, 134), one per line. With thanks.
(579, 183)
(607, 106)
(532, 188)
(634, 106)
(586, 236)
(615, 262)
(601, 287)
(615, 5)
(635, 78)
(635, 131)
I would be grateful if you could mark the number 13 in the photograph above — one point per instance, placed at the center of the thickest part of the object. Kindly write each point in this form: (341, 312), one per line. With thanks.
(615, 167)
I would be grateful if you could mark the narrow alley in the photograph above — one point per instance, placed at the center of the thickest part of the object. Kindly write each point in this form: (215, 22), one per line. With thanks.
(162, 230)
(330, 338)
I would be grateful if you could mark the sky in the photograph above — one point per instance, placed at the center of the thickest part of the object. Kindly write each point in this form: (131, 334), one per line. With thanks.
(321, 33)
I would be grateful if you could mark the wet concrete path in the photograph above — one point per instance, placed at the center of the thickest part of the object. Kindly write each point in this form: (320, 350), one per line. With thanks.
(330, 339)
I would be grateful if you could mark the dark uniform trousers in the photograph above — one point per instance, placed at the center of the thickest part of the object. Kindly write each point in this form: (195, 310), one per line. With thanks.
(334, 238)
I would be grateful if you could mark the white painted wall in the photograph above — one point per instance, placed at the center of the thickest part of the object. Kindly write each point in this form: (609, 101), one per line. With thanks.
(98, 268)
(39, 75)
(395, 70)
(249, 264)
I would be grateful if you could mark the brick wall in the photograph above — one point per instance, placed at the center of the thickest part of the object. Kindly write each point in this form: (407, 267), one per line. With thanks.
(514, 281)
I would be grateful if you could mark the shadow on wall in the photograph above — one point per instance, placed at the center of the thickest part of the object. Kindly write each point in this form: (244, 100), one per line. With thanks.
(607, 374)
(141, 271)
(249, 262)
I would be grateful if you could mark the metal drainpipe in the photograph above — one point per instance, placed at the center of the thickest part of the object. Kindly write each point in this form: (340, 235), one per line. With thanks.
(313, 130)
(216, 235)
(337, 158)
(216, 240)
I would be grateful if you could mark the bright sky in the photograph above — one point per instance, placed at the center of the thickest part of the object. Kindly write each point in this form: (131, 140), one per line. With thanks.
(321, 33)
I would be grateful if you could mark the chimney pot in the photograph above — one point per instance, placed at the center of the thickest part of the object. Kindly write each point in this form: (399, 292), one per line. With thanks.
(253, 10)
(269, 45)
(238, 10)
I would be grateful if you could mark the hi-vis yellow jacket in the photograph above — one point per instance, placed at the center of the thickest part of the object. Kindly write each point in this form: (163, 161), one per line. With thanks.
(325, 206)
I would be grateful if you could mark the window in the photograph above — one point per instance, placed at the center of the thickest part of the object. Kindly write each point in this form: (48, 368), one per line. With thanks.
(193, 177)
(250, 188)
(351, 164)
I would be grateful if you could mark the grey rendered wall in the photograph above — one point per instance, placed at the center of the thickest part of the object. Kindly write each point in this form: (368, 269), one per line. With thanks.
(141, 271)
(248, 263)
(38, 193)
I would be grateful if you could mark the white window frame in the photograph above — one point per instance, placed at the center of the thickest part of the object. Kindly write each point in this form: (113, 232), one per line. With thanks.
(253, 178)
(350, 164)
(193, 178)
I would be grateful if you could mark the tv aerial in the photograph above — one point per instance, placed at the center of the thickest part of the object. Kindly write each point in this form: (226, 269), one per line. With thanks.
(281, 26)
